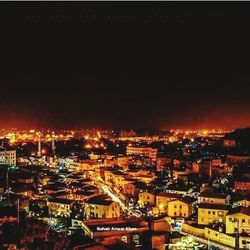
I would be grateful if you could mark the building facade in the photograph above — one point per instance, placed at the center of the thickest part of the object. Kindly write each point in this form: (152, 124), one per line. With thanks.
(8, 157)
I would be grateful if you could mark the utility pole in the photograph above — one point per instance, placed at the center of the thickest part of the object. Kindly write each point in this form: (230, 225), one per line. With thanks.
(7, 185)
(53, 144)
(237, 238)
(18, 210)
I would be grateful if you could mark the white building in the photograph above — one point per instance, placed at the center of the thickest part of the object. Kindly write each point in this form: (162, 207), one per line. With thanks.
(8, 157)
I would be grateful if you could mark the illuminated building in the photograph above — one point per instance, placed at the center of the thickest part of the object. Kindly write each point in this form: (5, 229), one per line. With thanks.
(182, 207)
(162, 162)
(130, 133)
(229, 143)
(185, 161)
(115, 178)
(101, 206)
(108, 231)
(242, 185)
(194, 229)
(129, 188)
(133, 187)
(214, 198)
(60, 207)
(245, 202)
(211, 213)
(177, 173)
(238, 159)
(142, 151)
(238, 218)
(8, 157)
(173, 138)
(147, 198)
(25, 178)
(202, 167)
(80, 195)
(8, 214)
(218, 235)
(162, 200)
(133, 231)
(123, 161)
(70, 163)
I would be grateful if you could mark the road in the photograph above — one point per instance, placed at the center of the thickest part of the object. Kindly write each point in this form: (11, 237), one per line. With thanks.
(206, 242)
(106, 189)
(114, 197)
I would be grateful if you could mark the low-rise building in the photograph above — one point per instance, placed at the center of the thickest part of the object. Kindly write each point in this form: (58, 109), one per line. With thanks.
(238, 159)
(123, 161)
(101, 206)
(162, 200)
(147, 199)
(238, 218)
(202, 167)
(229, 143)
(217, 234)
(59, 207)
(214, 198)
(244, 201)
(242, 185)
(182, 207)
(162, 163)
(211, 213)
(80, 195)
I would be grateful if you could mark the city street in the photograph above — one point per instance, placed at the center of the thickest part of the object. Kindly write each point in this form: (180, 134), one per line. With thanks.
(106, 189)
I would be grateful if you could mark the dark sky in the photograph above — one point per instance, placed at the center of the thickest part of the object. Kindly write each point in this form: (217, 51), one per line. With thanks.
(125, 65)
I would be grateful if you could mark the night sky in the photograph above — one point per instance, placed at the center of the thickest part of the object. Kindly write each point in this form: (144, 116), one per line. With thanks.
(125, 65)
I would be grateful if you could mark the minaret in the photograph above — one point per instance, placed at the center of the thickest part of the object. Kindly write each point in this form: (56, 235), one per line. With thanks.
(39, 145)
(53, 146)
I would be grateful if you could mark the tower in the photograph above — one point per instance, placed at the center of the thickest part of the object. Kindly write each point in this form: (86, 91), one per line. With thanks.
(53, 146)
(39, 145)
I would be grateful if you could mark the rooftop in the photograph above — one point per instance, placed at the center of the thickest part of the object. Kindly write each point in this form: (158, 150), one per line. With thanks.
(240, 209)
(62, 201)
(214, 206)
(170, 195)
(101, 199)
(208, 194)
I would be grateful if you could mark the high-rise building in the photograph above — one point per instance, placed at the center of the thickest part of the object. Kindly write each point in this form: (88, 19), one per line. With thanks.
(143, 151)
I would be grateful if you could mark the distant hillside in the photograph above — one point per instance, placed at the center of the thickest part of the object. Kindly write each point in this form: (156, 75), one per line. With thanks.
(241, 135)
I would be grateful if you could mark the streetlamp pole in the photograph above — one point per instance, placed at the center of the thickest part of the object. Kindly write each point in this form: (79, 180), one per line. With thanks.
(18, 210)
(7, 185)
(237, 239)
